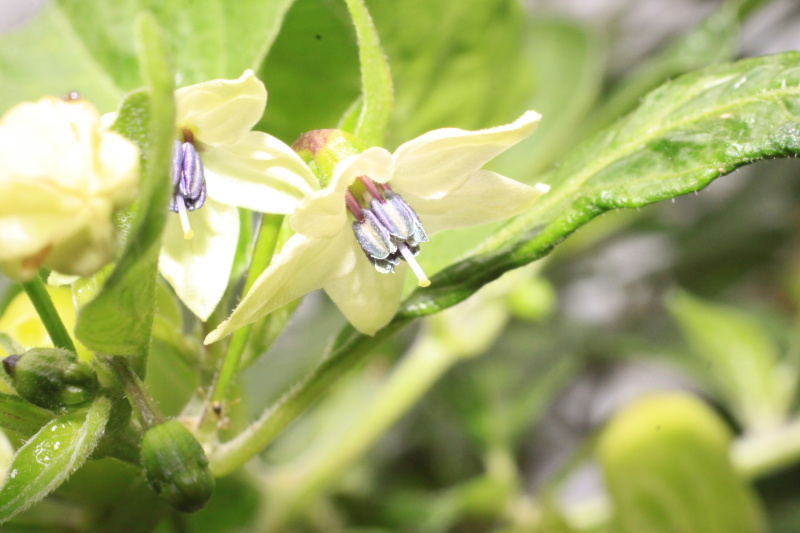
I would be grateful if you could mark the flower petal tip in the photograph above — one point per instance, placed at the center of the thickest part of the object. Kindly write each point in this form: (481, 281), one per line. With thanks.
(542, 187)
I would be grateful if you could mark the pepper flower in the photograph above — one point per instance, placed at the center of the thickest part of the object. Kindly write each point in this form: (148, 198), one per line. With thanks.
(62, 176)
(219, 165)
(373, 213)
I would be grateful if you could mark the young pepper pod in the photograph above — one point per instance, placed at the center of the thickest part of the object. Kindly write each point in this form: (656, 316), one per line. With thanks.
(52, 378)
(176, 467)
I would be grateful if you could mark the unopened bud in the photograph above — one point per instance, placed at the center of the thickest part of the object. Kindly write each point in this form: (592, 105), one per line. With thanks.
(52, 378)
(176, 467)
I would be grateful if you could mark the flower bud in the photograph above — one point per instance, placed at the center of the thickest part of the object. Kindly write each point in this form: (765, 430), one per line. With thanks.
(61, 178)
(323, 149)
(176, 467)
(52, 378)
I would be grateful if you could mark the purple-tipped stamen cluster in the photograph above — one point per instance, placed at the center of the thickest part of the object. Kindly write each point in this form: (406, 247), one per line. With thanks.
(388, 229)
(188, 178)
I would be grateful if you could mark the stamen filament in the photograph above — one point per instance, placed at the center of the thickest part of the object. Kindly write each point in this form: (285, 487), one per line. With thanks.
(353, 205)
(184, 216)
(371, 188)
(422, 279)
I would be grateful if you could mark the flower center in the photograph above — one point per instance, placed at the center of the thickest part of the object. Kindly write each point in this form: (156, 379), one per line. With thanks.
(387, 228)
(188, 181)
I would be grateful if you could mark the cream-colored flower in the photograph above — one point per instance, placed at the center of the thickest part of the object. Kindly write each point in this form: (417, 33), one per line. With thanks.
(62, 176)
(438, 174)
(241, 168)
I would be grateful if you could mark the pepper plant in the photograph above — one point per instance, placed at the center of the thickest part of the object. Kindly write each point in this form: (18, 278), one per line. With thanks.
(165, 230)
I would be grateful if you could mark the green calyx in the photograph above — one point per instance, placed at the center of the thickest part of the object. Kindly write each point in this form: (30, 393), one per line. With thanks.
(176, 467)
(323, 149)
(52, 378)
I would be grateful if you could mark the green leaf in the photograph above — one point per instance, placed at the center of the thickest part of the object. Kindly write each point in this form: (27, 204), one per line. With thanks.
(740, 357)
(91, 47)
(47, 57)
(22, 417)
(469, 70)
(208, 38)
(119, 319)
(666, 464)
(566, 63)
(55, 452)
(316, 38)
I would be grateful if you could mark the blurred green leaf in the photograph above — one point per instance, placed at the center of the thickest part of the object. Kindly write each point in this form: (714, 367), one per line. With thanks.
(208, 38)
(666, 465)
(715, 40)
(47, 459)
(119, 319)
(22, 417)
(47, 57)
(90, 46)
(740, 359)
(469, 60)
(311, 72)
(566, 63)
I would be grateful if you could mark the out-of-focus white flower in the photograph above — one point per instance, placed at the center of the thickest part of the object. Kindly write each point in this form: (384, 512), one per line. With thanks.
(62, 176)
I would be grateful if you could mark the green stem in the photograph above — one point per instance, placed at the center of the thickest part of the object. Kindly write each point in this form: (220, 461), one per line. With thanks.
(376, 78)
(411, 379)
(43, 304)
(264, 249)
(350, 349)
(143, 404)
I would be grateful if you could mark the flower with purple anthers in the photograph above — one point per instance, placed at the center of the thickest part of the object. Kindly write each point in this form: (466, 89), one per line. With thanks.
(388, 230)
(366, 219)
(219, 165)
(188, 183)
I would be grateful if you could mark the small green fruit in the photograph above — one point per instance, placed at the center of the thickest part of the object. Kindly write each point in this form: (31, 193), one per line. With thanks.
(176, 467)
(52, 378)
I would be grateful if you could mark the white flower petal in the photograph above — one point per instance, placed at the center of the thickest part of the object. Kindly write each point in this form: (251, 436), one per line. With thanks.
(303, 265)
(324, 212)
(367, 298)
(198, 268)
(221, 111)
(484, 197)
(260, 173)
(439, 161)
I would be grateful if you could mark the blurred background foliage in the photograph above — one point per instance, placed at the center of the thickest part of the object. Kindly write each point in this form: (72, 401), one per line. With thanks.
(698, 296)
